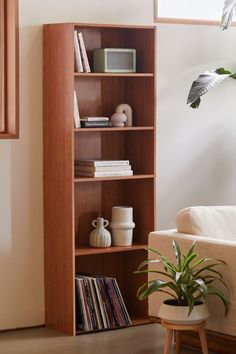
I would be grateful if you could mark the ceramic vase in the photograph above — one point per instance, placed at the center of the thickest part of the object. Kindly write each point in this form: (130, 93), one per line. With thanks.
(100, 237)
(180, 314)
(122, 225)
(118, 119)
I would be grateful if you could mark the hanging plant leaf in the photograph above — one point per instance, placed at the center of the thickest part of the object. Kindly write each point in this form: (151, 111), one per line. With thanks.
(228, 14)
(206, 82)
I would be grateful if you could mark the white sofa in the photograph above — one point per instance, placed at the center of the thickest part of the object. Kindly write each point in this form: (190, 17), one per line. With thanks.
(214, 229)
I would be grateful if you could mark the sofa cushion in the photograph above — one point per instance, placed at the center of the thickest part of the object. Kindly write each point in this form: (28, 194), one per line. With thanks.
(211, 221)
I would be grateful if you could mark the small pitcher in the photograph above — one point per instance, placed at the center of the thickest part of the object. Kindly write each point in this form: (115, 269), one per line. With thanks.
(100, 237)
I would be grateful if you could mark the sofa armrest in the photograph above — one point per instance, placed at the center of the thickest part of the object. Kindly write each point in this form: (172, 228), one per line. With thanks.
(205, 246)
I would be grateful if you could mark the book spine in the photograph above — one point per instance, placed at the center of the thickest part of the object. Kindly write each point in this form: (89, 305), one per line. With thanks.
(86, 321)
(116, 314)
(101, 162)
(76, 112)
(105, 174)
(103, 303)
(90, 304)
(121, 301)
(78, 59)
(95, 119)
(102, 168)
(84, 53)
(95, 303)
(80, 324)
(111, 320)
(96, 124)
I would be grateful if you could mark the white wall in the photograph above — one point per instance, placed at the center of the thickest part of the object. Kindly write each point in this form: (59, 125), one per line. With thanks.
(196, 160)
(196, 148)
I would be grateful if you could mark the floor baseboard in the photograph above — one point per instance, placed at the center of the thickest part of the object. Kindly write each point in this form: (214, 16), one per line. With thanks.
(20, 328)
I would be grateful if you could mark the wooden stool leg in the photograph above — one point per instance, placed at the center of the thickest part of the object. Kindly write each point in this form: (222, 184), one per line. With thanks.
(177, 342)
(202, 335)
(169, 334)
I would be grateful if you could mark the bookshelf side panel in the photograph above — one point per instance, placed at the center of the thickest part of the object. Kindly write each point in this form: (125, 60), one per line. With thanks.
(58, 95)
(58, 87)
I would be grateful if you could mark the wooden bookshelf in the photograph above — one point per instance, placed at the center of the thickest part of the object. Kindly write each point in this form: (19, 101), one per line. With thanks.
(71, 203)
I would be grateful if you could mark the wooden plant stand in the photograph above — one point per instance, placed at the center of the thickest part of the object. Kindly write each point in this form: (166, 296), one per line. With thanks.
(177, 328)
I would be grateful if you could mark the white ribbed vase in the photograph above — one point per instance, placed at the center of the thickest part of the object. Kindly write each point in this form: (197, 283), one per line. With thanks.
(180, 314)
(100, 237)
(122, 225)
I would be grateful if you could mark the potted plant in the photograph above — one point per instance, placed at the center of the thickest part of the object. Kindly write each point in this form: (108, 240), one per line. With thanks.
(188, 282)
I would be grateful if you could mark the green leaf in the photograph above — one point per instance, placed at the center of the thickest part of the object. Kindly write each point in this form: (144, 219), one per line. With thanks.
(221, 296)
(190, 251)
(187, 261)
(153, 271)
(196, 103)
(202, 287)
(166, 262)
(228, 13)
(149, 288)
(146, 262)
(209, 269)
(200, 261)
(205, 83)
(191, 302)
(177, 252)
(213, 278)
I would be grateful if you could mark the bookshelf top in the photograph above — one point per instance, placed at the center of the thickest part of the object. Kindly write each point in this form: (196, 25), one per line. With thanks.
(102, 25)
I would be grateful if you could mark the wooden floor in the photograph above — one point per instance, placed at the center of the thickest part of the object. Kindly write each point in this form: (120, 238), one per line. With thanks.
(147, 339)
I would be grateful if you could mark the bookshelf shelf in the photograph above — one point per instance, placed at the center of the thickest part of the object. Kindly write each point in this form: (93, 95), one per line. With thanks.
(117, 178)
(132, 75)
(71, 203)
(85, 251)
(122, 129)
(135, 322)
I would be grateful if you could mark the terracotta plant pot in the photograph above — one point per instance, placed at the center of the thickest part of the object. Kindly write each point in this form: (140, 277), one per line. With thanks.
(172, 313)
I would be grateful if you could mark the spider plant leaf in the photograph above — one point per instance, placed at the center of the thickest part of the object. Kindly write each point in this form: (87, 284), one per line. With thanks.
(165, 261)
(153, 271)
(204, 83)
(146, 262)
(177, 251)
(200, 261)
(149, 288)
(202, 287)
(190, 251)
(187, 261)
(208, 268)
(178, 276)
(211, 278)
(221, 296)
(191, 302)
(228, 14)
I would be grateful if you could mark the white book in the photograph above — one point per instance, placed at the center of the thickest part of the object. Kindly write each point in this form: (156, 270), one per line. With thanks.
(106, 174)
(102, 168)
(94, 119)
(85, 61)
(76, 112)
(101, 162)
(78, 59)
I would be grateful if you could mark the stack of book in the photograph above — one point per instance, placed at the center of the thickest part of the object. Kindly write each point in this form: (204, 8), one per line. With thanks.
(99, 303)
(102, 168)
(95, 122)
